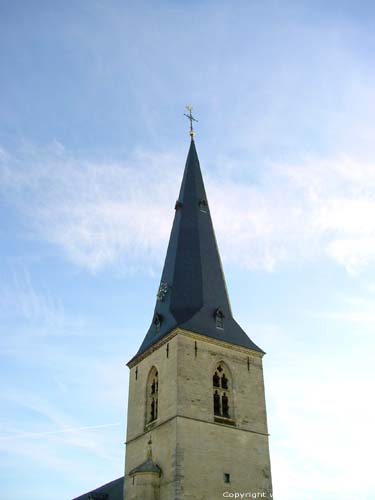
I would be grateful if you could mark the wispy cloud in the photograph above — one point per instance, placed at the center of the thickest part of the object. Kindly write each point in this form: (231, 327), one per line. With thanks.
(65, 429)
(98, 214)
(21, 298)
(314, 408)
(60, 431)
(30, 303)
(356, 311)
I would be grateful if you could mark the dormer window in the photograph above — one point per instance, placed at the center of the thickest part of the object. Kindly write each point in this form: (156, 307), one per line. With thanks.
(219, 319)
(158, 318)
(203, 205)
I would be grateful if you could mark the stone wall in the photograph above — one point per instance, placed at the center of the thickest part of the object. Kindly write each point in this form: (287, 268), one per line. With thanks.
(193, 450)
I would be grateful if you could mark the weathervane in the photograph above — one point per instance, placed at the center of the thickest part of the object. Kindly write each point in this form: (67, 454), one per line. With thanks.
(192, 119)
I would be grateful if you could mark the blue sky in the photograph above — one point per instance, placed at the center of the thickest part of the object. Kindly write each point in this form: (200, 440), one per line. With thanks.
(92, 147)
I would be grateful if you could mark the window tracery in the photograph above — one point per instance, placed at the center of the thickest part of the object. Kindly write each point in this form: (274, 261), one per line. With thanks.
(222, 392)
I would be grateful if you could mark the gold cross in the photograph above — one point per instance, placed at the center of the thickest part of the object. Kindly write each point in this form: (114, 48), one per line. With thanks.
(192, 119)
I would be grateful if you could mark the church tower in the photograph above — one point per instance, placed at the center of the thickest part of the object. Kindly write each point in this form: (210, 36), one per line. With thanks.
(197, 426)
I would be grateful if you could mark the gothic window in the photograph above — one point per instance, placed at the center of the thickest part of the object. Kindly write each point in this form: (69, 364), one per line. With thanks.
(217, 407)
(224, 405)
(153, 410)
(222, 392)
(153, 386)
(152, 395)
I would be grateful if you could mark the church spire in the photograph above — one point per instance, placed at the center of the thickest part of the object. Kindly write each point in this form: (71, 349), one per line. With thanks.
(192, 294)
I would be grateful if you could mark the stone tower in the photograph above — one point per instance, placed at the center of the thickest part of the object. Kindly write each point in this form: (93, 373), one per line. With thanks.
(197, 426)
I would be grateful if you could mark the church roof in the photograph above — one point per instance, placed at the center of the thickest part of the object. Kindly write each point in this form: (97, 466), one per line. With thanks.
(193, 293)
(110, 491)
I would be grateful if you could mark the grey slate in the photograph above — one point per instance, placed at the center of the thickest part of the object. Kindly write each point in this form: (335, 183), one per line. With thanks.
(193, 272)
(110, 491)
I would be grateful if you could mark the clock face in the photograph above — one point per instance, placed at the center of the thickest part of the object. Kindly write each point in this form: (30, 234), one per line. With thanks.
(162, 292)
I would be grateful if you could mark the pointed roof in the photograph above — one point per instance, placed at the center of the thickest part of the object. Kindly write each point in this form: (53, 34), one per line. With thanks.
(148, 466)
(192, 293)
(110, 491)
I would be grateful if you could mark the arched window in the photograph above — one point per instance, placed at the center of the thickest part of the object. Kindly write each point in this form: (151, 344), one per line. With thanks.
(222, 393)
(152, 396)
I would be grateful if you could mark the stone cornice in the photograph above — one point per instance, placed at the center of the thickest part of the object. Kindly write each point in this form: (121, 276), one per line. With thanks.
(196, 336)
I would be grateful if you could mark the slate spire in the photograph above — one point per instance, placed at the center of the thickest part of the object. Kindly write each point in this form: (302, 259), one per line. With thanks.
(192, 293)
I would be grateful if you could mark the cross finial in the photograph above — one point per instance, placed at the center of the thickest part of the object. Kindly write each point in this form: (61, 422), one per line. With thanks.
(192, 119)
